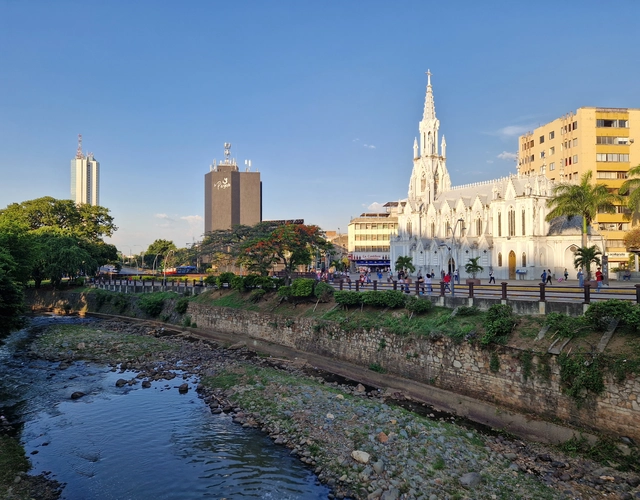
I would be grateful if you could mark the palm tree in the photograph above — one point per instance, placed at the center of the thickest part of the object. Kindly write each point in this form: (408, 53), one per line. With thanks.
(472, 267)
(405, 263)
(585, 256)
(630, 187)
(584, 199)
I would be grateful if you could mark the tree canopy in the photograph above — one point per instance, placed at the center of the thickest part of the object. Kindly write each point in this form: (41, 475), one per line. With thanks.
(585, 256)
(630, 188)
(581, 200)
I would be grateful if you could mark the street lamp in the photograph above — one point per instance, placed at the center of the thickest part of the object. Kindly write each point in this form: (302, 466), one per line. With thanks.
(164, 268)
(453, 252)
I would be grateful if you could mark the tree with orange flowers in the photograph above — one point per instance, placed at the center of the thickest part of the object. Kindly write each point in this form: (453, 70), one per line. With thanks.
(291, 245)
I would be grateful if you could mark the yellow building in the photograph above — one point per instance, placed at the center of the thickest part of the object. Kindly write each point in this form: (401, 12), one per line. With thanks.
(603, 140)
(369, 238)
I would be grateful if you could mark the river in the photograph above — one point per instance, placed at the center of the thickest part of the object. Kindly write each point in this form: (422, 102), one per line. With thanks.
(134, 443)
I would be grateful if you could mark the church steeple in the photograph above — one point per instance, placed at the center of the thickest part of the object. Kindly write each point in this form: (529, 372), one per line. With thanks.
(429, 125)
(429, 104)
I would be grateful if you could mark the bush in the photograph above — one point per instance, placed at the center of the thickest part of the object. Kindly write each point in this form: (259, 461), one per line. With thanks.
(468, 311)
(302, 287)
(498, 324)
(565, 326)
(151, 304)
(238, 283)
(224, 278)
(346, 298)
(211, 280)
(181, 305)
(257, 294)
(374, 298)
(394, 299)
(102, 297)
(284, 292)
(600, 314)
(323, 291)
(417, 305)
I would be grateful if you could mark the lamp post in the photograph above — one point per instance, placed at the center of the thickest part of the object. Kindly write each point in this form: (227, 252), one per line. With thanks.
(453, 251)
(164, 268)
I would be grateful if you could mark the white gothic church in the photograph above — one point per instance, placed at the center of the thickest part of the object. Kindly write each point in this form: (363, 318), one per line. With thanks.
(502, 220)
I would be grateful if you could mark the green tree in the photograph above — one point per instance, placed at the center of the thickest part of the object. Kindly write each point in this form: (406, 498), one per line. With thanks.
(290, 245)
(581, 200)
(585, 256)
(632, 239)
(473, 267)
(405, 263)
(630, 188)
(157, 251)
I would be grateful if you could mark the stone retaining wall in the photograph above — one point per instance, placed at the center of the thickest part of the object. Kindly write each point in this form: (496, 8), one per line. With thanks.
(461, 368)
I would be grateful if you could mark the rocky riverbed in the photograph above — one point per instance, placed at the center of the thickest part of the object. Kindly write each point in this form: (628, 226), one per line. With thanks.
(356, 439)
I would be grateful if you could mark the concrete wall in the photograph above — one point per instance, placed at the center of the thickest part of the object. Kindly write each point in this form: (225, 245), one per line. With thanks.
(460, 368)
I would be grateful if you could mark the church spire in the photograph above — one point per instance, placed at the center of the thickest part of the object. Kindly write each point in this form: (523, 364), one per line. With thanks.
(429, 105)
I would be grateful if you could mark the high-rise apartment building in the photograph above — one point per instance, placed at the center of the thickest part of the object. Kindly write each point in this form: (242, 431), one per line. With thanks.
(85, 177)
(231, 197)
(369, 236)
(603, 140)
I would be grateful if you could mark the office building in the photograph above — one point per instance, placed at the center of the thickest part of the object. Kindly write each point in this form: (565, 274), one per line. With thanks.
(602, 140)
(231, 197)
(85, 177)
(369, 236)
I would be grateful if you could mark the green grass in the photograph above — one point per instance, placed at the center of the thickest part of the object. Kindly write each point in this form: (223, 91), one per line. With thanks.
(12, 462)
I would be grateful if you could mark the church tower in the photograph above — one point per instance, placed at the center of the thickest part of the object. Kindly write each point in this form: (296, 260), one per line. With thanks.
(430, 176)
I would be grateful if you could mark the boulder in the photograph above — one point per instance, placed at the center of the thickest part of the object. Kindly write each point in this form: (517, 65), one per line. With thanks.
(470, 480)
(77, 395)
(183, 388)
(360, 456)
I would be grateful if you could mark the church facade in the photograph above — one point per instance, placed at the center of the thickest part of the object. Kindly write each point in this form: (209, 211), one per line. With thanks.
(502, 221)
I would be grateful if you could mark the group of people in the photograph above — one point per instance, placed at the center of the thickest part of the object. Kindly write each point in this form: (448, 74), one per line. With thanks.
(546, 277)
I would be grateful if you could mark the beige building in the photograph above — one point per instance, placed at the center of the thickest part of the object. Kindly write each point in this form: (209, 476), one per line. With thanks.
(231, 197)
(369, 238)
(85, 177)
(603, 140)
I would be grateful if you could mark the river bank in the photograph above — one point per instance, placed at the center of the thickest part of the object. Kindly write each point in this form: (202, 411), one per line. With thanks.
(352, 437)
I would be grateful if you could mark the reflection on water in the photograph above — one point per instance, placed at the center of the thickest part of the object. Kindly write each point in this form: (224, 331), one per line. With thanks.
(134, 443)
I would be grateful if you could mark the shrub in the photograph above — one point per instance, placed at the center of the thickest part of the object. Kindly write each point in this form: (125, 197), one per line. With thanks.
(102, 297)
(284, 292)
(238, 283)
(498, 324)
(181, 305)
(211, 280)
(565, 326)
(257, 294)
(394, 299)
(580, 374)
(323, 291)
(600, 314)
(418, 305)
(468, 311)
(302, 287)
(373, 298)
(151, 304)
(224, 278)
(346, 298)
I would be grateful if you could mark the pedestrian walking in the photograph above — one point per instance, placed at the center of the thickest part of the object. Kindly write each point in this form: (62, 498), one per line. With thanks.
(566, 274)
(549, 281)
(492, 278)
(456, 276)
(543, 276)
(428, 283)
(599, 278)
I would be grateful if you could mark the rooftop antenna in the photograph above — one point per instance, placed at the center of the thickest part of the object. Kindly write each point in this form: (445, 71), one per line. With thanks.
(79, 154)
(227, 152)
(248, 164)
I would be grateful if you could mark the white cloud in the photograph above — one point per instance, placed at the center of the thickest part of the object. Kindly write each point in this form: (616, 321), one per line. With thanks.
(506, 155)
(355, 140)
(513, 130)
(191, 219)
(375, 207)
(489, 161)
(164, 217)
(370, 146)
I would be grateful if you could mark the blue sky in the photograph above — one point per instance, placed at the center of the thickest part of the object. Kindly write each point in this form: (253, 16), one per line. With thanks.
(323, 97)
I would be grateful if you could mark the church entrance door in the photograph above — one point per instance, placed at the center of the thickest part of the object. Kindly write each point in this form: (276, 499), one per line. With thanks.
(512, 265)
(452, 266)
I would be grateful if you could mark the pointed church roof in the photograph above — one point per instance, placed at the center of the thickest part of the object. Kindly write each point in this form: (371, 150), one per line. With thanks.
(429, 104)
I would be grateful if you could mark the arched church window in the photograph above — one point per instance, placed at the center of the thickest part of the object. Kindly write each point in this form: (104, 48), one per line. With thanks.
(423, 184)
(499, 224)
(409, 227)
(512, 222)
(524, 224)
(436, 183)
(478, 227)
(499, 260)
(433, 229)
(524, 259)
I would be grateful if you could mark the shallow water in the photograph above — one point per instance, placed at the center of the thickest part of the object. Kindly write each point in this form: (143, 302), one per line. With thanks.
(134, 443)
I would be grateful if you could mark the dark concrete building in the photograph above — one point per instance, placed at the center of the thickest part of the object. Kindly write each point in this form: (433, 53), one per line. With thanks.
(231, 197)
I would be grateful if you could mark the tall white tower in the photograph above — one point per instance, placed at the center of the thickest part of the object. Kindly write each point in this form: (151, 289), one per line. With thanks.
(85, 177)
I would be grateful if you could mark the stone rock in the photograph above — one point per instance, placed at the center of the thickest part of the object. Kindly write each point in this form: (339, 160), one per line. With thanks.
(81, 345)
(374, 494)
(360, 388)
(183, 388)
(237, 346)
(77, 395)
(470, 480)
(457, 364)
(360, 456)
(339, 396)
(382, 437)
(392, 494)
(510, 456)
(378, 467)
(121, 382)
(146, 384)
(330, 416)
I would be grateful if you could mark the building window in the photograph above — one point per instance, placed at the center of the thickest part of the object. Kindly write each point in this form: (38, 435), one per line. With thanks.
(524, 259)
(552, 166)
(575, 158)
(612, 123)
(499, 224)
(512, 222)
(575, 125)
(575, 142)
(532, 157)
(433, 229)
(478, 227)
(524, 224)
(612, 140)
(552, 150)
(541, 154)
(612, 157)
(499, 260)
(552, 134)
(541, 139)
